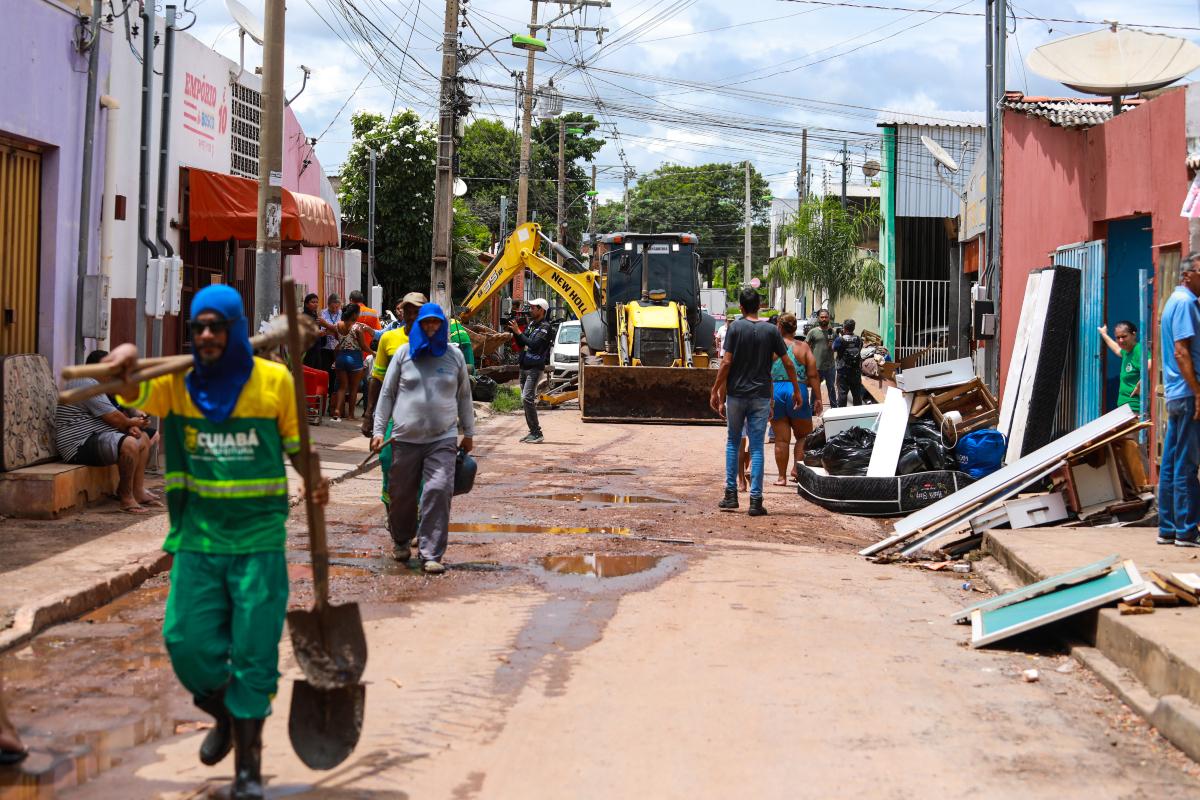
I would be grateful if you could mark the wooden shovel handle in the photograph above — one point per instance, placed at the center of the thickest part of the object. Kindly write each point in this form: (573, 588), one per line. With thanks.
(310, 463)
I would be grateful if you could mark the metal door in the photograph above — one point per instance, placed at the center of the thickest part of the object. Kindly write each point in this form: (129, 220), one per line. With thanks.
(922, 321)
(1088, 258)
(20, 206)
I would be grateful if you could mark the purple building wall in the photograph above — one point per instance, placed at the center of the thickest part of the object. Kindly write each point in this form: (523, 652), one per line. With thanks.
(43, 90)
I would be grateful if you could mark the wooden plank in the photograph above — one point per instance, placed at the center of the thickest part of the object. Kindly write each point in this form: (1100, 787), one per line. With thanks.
(1038, 459)
(1037, 324)
(1016, 364)
(889, 435)
(1001, 623)
(1078, 575)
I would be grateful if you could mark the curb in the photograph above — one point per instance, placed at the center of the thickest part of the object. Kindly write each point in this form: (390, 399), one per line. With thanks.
(1176, 717)
(30, 620)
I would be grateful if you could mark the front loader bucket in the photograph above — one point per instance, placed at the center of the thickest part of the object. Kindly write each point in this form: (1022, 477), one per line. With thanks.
(668, 395)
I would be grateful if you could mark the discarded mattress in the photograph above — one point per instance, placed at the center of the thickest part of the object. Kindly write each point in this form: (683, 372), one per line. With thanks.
(878, 497)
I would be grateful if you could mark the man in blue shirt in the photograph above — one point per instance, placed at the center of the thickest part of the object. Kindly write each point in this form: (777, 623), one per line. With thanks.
(1178, 487)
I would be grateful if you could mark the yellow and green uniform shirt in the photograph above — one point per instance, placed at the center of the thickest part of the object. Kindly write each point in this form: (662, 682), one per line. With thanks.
(389, 343)
(227, 490)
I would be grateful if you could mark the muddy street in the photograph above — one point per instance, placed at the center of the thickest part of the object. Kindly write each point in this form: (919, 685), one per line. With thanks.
(604, 631)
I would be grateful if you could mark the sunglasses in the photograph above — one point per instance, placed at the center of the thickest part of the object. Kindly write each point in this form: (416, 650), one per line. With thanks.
(217, 326)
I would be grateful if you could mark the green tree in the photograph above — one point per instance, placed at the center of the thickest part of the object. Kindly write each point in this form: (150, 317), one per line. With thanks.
(405, 167)
(709, 201)
(827, 242)
(489, 158)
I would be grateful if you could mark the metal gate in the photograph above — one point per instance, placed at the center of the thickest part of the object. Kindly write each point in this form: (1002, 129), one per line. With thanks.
(20, 206)
(1088, 258)
(923, 321)
(333, 273)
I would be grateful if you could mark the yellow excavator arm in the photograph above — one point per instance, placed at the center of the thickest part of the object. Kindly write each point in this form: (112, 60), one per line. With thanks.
(579, 287)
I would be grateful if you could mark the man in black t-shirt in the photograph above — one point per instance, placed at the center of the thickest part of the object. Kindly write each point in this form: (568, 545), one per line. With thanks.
(848, 349)
(742, 394)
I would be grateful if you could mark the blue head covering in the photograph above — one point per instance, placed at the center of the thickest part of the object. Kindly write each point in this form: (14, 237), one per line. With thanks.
(419, 344)
(215, 387)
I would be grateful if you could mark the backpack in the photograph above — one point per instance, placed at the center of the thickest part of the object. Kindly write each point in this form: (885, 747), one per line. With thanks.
(851, 352)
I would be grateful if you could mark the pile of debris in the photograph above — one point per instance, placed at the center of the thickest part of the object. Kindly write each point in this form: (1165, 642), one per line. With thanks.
(942, 451)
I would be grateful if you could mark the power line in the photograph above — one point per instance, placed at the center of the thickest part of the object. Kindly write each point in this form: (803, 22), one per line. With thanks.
(956, 13)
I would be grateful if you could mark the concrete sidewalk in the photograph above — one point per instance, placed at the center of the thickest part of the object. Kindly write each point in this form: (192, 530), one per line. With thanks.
(56, 570)
(1152, 661)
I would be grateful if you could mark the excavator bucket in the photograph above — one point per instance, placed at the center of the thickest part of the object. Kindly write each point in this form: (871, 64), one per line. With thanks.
(667, 395)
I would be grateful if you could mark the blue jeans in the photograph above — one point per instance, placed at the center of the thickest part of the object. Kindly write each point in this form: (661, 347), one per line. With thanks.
(749, 413)
(829, 376)
(1178, 487)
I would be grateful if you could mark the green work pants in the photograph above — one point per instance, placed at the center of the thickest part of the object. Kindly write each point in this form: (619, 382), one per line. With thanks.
(223, 622)
(385, 461)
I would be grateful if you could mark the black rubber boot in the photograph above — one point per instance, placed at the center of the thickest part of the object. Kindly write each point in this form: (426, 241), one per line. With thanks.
(219, 740)
(247, 740)
(730, 500)
(756, 507)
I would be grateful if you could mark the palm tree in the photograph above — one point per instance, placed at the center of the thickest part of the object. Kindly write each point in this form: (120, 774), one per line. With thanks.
(828, 255)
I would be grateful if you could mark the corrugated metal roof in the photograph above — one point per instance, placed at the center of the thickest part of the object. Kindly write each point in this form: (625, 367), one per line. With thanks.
(920, 191)
(1067, 112)
(936, 119)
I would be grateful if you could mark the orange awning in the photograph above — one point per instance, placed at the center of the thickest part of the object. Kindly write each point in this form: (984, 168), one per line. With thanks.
(224, 207)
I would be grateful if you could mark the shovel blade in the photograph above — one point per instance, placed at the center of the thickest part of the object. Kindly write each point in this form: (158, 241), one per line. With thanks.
(324, 724)
(330, 645)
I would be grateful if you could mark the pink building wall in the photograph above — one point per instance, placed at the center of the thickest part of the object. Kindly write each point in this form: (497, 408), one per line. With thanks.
(1062, 185)
(296, 150)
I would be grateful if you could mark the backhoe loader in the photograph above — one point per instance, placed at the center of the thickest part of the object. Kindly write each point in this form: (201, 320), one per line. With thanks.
(646, 343)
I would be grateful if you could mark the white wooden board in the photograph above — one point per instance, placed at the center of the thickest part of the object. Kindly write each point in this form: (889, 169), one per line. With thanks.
(1011, 474)
(840, 420)
(889, 436)
(1033, 354)
(1016, 363)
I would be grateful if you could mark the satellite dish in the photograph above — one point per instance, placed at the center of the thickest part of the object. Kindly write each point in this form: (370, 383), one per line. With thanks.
(460, 187)
(871, 168)
(939, 154)
(250, 24)
(1115, 61)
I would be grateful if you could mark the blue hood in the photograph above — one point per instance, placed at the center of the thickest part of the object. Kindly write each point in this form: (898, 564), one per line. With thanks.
(215, 388)
(419, 344)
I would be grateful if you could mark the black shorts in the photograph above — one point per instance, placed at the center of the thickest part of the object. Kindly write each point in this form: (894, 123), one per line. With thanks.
(101, 449)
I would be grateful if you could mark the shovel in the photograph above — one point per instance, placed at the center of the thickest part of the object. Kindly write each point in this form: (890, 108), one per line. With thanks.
(330, 646)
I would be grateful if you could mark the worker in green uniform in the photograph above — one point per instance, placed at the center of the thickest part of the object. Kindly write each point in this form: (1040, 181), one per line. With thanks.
(1127, 347)
(228, 423)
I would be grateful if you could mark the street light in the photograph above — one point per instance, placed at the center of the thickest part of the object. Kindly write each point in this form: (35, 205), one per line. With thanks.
(523, 42)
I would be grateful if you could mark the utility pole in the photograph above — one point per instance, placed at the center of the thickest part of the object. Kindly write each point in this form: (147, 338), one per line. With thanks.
(593, 259)
(625, 224)
(518, 284)
(562, 184)
(747, 222)
(503, 219)
(845, 169)
(371, 230)
(802, 173)
(443, 195)
(268, 257)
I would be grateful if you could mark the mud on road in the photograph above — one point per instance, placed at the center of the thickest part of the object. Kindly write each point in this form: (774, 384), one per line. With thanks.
(570, 589)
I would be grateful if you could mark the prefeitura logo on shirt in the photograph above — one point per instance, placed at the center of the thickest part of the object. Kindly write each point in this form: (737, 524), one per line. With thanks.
(221, 445)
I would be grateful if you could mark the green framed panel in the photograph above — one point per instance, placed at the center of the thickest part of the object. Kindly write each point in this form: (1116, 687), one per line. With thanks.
(887, 235)
(1046, 586)
(992, 625)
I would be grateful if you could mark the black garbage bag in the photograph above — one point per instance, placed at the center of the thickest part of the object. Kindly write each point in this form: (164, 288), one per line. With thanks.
(483, 389)
(924, 448)
(849, 452)
(815, 440)
(813, 457)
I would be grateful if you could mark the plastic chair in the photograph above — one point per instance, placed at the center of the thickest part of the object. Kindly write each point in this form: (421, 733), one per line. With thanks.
(316, 393)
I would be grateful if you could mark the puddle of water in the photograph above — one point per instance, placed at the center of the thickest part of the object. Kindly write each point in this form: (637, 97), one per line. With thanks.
(497, 527)
(598, 565)
(568, 471)
(600, 497)
(336, 570)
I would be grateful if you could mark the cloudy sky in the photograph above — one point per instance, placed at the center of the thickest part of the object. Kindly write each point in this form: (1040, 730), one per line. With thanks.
(685, 81)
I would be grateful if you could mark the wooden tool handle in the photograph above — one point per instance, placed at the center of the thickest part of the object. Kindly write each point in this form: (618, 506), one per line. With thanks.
(147, 368)
(310, 463)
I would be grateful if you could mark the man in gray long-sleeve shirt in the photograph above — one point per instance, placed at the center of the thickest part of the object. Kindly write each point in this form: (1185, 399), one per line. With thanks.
(427, 395)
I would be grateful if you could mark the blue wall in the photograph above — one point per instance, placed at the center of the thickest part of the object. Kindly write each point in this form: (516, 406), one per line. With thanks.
(1129, 243)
